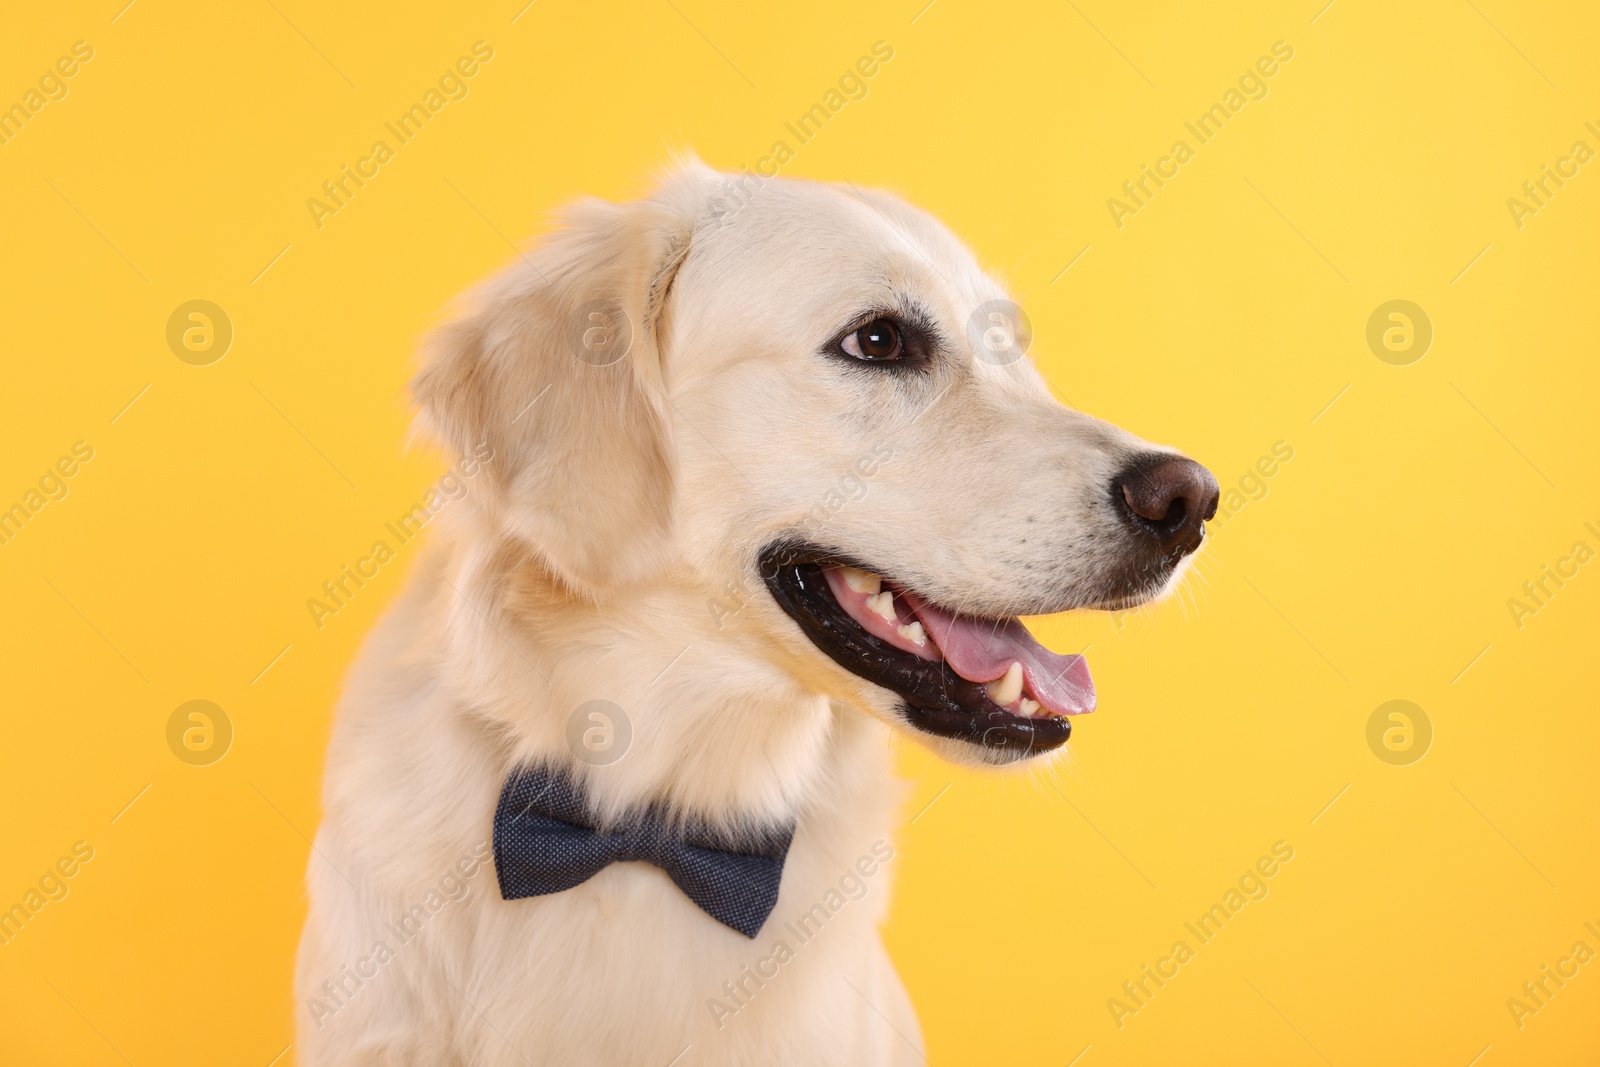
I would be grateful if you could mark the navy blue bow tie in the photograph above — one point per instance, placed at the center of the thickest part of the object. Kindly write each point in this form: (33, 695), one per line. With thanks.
(546, 841)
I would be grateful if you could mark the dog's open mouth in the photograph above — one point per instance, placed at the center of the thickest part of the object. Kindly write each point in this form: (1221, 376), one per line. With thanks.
(985, 681)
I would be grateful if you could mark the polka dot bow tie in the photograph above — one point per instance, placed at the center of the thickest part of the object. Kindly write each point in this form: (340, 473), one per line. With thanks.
(547, 841)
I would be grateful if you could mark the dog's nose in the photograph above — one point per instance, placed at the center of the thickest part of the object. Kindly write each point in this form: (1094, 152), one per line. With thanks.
(1169, 498)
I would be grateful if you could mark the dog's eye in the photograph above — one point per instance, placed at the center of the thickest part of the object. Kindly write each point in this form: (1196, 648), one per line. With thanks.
(876, 342)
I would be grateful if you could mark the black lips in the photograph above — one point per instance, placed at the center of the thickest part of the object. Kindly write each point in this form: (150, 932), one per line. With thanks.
(934, 698)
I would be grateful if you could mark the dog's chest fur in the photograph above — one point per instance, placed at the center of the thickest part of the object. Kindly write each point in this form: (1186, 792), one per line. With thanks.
(622, 969)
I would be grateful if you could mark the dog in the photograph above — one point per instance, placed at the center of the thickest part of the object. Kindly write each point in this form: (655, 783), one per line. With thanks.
(757, 475)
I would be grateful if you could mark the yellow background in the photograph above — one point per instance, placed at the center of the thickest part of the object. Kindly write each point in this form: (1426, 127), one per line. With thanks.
(1222, 318)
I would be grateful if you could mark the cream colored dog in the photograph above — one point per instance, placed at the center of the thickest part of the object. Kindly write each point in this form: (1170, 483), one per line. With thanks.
(759, 475)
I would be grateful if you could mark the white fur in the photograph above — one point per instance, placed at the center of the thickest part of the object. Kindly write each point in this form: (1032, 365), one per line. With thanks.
(607, 550)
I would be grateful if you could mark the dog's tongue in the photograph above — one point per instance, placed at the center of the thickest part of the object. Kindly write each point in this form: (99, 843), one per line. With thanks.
(980, 651)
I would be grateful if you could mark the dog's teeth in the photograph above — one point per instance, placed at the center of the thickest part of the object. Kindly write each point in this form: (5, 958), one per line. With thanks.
(883, 604)
(1030, 708)
(861, 581)
(1005, 690)
(912, 632)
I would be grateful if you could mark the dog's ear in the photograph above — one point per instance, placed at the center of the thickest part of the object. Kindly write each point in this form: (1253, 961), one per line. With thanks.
(556, 376)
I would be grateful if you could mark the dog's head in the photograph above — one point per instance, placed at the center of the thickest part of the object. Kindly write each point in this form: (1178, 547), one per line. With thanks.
(808, 405)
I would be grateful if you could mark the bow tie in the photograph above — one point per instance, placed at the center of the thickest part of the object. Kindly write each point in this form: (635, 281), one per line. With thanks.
(546, 841)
